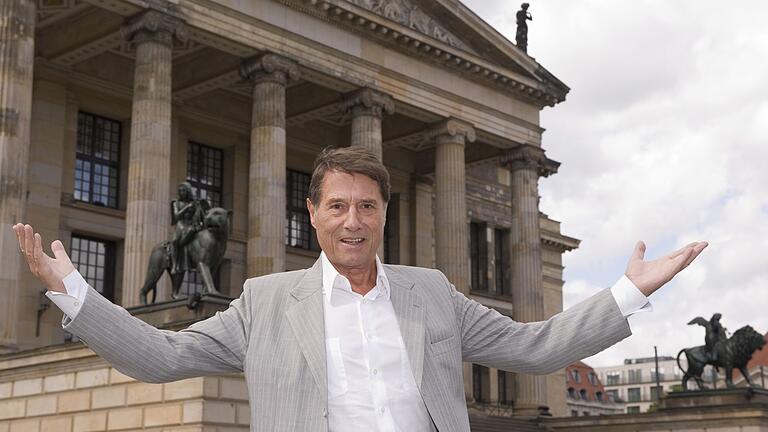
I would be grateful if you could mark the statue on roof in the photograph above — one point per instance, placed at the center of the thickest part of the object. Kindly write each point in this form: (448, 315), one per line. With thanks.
(521, 37)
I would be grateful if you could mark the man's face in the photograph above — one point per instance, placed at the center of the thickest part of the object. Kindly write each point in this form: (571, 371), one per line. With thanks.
(349, 219)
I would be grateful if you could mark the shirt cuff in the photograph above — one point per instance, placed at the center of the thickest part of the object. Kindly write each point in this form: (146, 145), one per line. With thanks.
(629, 298)
(71, 302)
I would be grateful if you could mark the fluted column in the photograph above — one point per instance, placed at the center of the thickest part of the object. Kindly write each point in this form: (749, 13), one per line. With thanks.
(451, 238)
(147, 213)
(17, 43)
(526, 164)
(270, 74)
(367, 108)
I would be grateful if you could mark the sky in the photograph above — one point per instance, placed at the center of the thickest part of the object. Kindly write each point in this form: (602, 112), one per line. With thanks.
(662, 138)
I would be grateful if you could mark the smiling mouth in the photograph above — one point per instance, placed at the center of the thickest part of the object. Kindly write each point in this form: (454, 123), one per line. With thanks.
(352, 241)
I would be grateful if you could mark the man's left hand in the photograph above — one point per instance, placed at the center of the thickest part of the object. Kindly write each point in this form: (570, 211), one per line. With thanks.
(648, 276)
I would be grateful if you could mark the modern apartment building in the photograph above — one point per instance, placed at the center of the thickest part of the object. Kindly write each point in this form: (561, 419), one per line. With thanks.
(634, 382)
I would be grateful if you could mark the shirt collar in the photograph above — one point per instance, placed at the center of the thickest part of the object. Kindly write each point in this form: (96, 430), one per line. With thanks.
(330, 276)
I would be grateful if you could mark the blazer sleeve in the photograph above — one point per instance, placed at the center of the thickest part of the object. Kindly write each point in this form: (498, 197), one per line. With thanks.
(139, 350)
(494, 340)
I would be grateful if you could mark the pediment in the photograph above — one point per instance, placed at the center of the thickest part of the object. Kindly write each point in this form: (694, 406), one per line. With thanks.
(452, 23)
(413, 16)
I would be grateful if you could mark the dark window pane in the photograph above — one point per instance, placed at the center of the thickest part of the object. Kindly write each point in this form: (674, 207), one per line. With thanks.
(298, 230)
(94, 259)
(205, 172)
(97, 163)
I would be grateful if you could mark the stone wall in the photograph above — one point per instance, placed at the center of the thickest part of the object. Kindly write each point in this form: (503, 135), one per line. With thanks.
(69, 389)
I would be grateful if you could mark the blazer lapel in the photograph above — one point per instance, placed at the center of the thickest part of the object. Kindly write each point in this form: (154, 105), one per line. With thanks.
(410, 312)
(308, 324)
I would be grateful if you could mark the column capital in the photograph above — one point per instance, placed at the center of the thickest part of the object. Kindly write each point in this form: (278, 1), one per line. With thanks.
(155, 26)
(367, 101)
(452, 128)
(530, 157)
(269, 67)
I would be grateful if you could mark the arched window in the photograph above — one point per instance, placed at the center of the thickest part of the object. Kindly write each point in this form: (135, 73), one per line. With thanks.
(583, 394)
(599, 396)
(572, 393)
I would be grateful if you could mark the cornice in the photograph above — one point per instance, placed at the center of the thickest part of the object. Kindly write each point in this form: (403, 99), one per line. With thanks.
(404, 38)
(530, 157)
(367, 101)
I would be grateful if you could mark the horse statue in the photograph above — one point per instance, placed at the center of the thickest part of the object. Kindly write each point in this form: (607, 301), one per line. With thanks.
(734, 352)
(206, 251)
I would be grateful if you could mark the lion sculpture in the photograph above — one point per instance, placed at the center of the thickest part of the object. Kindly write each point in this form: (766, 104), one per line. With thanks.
(734, 353)
(206, 251)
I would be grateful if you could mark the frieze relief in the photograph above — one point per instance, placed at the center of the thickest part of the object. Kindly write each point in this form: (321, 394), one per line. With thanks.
(410, 15)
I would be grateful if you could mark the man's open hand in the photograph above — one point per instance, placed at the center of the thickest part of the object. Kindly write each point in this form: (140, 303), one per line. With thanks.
(50, 271)
(648, 276)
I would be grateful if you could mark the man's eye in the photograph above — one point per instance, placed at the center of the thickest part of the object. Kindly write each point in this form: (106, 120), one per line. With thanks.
(336, 206)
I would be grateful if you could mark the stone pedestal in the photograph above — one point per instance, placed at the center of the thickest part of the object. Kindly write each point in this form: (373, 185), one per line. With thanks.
(270, 74)
(526, 164)
(367, 108)
(17, 40)
(147, 215)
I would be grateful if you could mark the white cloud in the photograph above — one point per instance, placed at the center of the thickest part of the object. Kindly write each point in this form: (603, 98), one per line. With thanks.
(664, 137)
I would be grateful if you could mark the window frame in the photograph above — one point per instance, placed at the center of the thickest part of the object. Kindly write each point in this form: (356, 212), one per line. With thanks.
(201, 166)
(93, 160)
(110, 258)
(291, 208)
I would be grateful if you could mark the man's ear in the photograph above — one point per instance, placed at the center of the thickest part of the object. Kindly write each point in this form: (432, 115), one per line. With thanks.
(311, 209)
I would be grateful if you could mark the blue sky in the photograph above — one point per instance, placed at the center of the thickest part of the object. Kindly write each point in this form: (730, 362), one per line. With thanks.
(664, 138)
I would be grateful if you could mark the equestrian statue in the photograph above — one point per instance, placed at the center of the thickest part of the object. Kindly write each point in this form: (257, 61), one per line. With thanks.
(719, 350)
(199, 244)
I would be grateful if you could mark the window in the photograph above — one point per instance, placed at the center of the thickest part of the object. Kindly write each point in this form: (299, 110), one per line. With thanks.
(585, 413)
(97, 160)
(633, 410)
(633, 394)
(660, 373)
(613, 378)
(505, 393)
(656, 392)
(583, 394)
(599, 396)
(298, 230)
(574, 413)
(205, 172)
(613, 395)
(592, 378)
(477, 253)
(501, 262)
(576, 376)
(572, 393)
(635, 376)
(479, 375)
(95, 260)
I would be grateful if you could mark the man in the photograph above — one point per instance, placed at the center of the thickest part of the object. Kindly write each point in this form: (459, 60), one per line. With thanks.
(349, 344)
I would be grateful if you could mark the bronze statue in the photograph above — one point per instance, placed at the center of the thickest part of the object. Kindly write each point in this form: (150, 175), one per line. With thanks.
(521, 37)
(721, 351)
(187, 215)
(199, 244)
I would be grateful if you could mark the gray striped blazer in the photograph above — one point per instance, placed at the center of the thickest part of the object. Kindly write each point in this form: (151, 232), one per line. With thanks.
(274, 333)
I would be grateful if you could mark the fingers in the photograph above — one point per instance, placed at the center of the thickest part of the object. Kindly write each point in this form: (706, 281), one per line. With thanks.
(682, 250)
(18, 229)
(59, 252)
(639, 251)
(38, 251)
(696, 250)
(29, 247)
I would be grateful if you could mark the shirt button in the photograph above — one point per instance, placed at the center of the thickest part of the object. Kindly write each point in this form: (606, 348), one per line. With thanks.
(375, 371)
(381, 410)
(77, 304)
(325, 412)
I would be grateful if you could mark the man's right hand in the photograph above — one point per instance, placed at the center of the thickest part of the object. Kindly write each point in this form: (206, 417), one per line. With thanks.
(50, 271)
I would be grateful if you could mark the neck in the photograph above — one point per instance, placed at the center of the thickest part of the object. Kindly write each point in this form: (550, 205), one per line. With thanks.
(362, 280)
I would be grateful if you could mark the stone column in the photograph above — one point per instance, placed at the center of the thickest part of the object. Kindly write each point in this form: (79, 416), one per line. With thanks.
(270, 74)
(147, 215)
(451, 237)
(17, 43)
(527, 163)
(367, 108)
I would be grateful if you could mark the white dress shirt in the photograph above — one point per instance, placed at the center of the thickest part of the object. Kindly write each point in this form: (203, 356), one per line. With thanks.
(370, 383)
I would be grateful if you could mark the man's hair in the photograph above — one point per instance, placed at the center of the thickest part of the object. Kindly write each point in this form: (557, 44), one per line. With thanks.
(349, 160)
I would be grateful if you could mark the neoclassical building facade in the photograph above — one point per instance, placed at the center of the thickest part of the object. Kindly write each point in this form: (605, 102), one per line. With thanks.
(107, 105)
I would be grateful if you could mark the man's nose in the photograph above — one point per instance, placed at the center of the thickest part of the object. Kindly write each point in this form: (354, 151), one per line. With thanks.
(352, 220)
